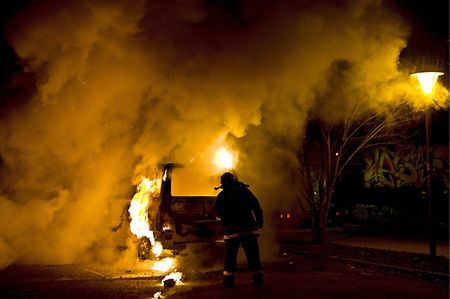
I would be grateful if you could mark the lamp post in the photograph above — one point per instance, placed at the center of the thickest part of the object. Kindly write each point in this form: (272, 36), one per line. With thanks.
(427, 80)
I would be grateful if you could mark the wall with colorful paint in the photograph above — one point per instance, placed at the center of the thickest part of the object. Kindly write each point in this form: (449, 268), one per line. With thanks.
(405, 167)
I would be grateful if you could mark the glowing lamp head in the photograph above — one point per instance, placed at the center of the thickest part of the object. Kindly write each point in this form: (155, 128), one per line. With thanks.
(427, 80)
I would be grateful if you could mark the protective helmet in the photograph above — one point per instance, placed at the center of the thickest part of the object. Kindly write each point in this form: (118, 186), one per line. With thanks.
(227, 178)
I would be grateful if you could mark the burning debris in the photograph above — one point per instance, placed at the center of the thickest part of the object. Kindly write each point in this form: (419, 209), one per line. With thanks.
(172, 279)
(157, 295)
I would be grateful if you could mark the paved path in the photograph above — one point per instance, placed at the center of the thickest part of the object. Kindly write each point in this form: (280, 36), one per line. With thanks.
(356, 236)
(395, 244)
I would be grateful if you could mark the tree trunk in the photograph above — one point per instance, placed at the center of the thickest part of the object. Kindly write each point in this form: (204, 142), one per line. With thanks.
(316, 230)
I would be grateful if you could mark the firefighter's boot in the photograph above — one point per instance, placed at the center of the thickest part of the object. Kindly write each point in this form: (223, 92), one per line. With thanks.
(257, 278)
(228, 279)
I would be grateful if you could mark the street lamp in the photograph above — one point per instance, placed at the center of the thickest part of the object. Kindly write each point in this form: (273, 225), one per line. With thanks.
(427, 80)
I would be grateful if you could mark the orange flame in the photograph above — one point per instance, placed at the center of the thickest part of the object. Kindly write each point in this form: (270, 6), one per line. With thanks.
(164, 265)
(177, 276)
(224, 159)
(140, 224)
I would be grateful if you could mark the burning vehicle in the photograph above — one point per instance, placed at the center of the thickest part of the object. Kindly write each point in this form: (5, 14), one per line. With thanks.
(185, 219)
(161, 220)
(165, 224)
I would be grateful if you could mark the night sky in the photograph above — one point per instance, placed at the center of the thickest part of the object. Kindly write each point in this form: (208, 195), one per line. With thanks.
(429, 21)
(428, 41)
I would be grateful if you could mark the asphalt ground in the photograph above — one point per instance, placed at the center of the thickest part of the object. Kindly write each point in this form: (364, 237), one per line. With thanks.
(317, 277)
(301, 270)
(289, 276)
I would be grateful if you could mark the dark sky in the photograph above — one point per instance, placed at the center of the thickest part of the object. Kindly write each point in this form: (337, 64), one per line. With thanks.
(429, 21)
(428, 44)
(10, 91)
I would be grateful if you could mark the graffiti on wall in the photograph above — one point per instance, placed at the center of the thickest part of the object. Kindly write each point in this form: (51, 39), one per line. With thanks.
(405, 167)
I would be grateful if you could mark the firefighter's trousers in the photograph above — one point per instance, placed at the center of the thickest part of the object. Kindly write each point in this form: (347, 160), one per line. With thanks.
(251, 249)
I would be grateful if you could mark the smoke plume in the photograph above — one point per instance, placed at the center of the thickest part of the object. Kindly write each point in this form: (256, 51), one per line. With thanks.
(123, 86)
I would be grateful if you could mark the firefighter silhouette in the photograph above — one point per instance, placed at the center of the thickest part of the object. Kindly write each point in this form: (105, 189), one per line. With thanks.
(241, 215)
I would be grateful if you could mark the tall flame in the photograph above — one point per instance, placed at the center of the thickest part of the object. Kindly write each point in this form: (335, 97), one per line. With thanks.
(140, 224)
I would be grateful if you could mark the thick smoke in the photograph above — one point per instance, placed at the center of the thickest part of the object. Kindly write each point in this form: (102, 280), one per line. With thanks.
(123, 86)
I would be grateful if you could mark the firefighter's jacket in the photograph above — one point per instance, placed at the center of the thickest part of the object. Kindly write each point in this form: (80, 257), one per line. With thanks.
(238, 210)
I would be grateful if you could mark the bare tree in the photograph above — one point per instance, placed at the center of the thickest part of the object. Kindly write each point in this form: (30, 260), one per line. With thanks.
(328, 148)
